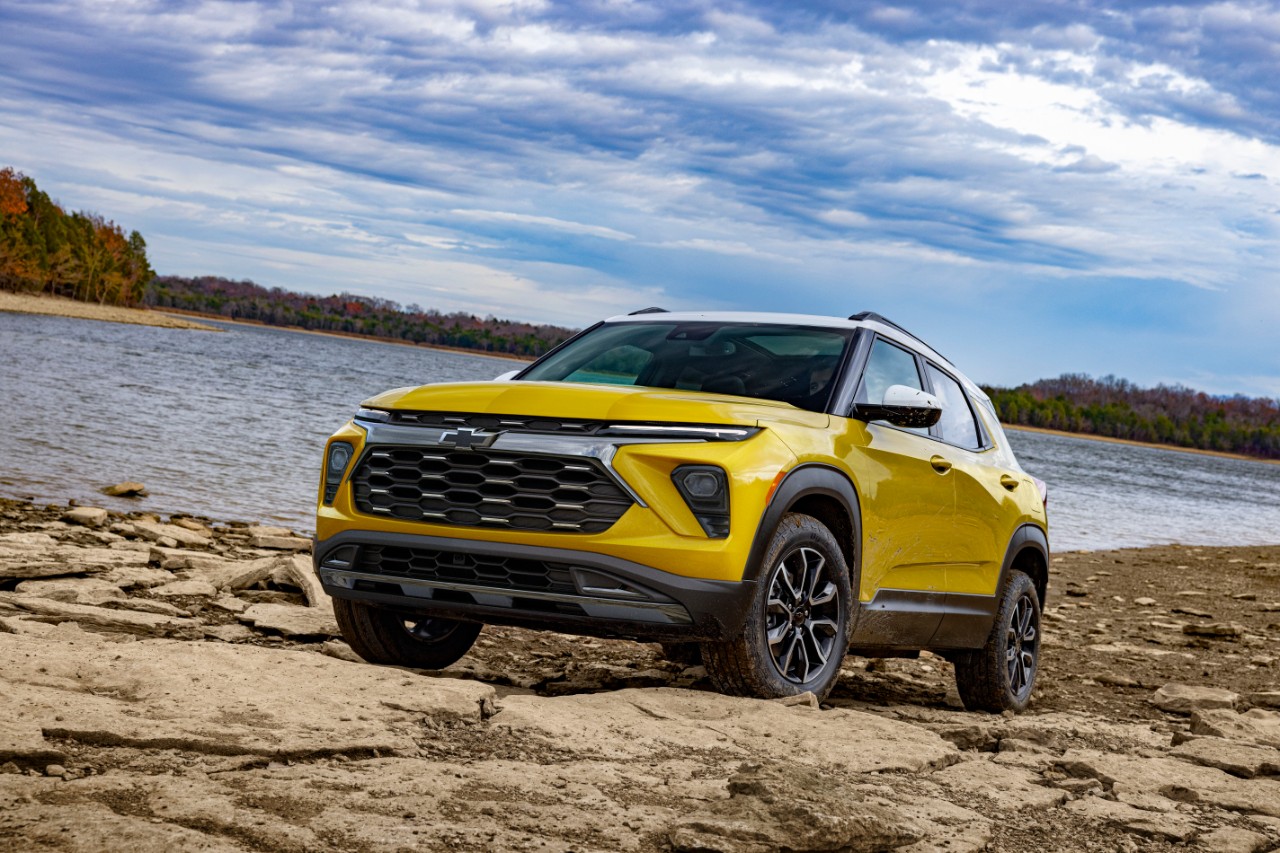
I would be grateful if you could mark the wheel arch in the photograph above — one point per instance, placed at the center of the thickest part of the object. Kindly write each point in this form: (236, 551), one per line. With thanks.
(1028, 552)
(824, 493)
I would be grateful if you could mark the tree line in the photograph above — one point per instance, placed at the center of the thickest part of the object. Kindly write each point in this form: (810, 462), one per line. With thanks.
(45, 249)
(351, 314)
(1164, 414)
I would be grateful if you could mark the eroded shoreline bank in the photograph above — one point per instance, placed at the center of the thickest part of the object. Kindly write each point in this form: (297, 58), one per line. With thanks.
(177, 684)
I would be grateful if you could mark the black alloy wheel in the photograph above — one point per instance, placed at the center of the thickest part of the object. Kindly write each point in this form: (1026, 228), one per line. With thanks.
(803, 615)
(797, 628)
(1001, 675)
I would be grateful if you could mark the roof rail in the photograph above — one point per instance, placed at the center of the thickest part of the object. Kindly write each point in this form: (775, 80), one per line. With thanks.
(879, 318)
(650, 310)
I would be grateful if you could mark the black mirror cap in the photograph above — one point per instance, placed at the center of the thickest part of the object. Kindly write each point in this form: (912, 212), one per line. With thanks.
(910, 417)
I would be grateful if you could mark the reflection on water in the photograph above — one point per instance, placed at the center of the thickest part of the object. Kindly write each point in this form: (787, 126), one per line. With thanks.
(231, 426)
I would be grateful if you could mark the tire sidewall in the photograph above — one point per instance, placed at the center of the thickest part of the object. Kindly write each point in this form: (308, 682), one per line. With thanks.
(798, 531)
(1019, 586)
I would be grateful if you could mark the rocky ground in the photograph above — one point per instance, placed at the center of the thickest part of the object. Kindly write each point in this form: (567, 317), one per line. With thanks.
(179, 685)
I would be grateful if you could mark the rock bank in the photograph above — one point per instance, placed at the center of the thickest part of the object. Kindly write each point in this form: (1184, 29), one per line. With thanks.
(165, 691)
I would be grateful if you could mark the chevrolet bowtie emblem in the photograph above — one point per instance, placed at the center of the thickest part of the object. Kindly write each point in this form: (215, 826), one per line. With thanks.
(467, 438)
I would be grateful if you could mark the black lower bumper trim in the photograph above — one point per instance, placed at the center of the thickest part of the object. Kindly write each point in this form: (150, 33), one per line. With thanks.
(609, 597)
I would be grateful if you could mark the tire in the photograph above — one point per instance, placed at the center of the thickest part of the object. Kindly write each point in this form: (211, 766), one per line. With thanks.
(1002, 674)
(394, 639)
(797, 629)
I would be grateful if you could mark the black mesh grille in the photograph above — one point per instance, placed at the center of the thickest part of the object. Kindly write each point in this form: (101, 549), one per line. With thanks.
(454, 566)
(488, 488)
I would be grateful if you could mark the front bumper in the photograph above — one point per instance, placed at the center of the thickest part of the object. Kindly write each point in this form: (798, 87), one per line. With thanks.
(583, 592)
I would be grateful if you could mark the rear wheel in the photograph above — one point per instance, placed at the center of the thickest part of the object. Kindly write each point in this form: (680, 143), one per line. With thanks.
(797, 629)
(1001, 675)
(395, 639)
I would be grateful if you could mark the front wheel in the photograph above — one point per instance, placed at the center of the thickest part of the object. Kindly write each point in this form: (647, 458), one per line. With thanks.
(1001, 675)
(797, 629)
(394, 639)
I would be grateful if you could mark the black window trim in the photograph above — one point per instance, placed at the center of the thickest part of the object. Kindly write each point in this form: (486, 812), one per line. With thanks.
(935, 432)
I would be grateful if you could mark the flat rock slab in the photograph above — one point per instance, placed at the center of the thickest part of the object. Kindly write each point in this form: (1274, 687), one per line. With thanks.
(1167, 827)
(77, 590)
(93, 828)
(1009, 788)
(223, 700)
(154, 532)
(99, 617)
(1256, 725)
(1176, 780)
(637, 722)
(1185, 698)
(292, 620)
(1238, 759)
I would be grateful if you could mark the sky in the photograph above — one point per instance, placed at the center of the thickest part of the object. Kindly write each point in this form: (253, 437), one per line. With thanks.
(1035, 188)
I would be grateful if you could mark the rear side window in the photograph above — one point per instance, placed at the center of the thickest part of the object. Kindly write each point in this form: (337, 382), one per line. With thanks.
(956, 425)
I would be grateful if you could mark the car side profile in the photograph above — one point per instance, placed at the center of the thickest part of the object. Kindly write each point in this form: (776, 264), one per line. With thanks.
(769, 491)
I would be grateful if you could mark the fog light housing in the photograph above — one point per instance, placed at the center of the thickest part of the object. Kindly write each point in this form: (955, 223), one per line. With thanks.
(705, 488)
(335, 465)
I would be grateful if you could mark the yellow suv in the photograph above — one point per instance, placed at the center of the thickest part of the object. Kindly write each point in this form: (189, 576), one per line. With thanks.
(773, 491)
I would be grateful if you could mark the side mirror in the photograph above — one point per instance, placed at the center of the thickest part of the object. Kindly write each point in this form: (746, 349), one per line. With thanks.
(903, 407)
(504, 377)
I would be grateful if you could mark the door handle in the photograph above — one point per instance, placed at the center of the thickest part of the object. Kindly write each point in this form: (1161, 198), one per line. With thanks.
(1008, 482)
(940, 465)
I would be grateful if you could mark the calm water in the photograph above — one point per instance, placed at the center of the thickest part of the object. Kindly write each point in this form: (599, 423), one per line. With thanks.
(231, 426)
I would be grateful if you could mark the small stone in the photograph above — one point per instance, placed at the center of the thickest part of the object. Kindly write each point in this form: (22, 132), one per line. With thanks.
(1216, 630)
(1245, 596)
(9, 768)
(1265, 699)
(340, 650)
(1185, 698)
(1192, 611)
(127, 489)
(1112, 679)
(88, 516)
(281, 543)
(1190, 593)
(191, 587)
(55, 770)
(231, 604)
(1145, 601)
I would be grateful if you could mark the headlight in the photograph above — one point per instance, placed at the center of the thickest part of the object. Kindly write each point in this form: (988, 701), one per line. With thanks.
(335, 465)
(705, 488)
(377, 415)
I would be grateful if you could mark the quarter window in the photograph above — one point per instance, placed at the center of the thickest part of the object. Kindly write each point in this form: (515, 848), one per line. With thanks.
(956, 425)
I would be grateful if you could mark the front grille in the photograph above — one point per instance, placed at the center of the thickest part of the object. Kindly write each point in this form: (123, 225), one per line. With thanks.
(454, 566)
(488, 488)
(497, 423)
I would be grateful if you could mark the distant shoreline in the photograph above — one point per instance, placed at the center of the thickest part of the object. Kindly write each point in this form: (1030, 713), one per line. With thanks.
(61, 306)
(1091, 437)
(351, 336)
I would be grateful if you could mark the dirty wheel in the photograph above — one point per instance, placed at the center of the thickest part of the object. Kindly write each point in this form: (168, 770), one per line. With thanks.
(797, 629)
(396, 639)
(1001, 675)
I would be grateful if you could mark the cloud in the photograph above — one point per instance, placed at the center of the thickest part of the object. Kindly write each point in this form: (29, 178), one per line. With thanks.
(571, 161)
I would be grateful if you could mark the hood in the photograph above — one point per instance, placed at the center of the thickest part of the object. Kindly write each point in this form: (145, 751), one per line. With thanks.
(594, 403)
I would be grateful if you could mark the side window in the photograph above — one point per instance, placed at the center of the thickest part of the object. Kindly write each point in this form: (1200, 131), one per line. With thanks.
(887, 365)
(957, 424)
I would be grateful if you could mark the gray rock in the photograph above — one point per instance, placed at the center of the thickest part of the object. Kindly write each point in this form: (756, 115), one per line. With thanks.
(223, 699)
(1215, 630)
(281, 543)
(188, 587)
(101, 617)
(155, 532)
(778, 807)
(293, 621)
(1185, 698)
(1256, 726)
(89, 516)
(670, 719)
(298, 571)
(1231, 839)
(1238, 759)
(127, 489)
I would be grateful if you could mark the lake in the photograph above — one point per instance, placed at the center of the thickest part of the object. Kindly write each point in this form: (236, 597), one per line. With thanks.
(231, 426)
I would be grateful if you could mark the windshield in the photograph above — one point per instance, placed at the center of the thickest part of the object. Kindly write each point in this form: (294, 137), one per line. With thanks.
(792, 364)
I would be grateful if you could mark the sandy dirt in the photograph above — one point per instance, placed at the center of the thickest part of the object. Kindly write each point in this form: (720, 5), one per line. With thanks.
(30, 303)
(178, 685)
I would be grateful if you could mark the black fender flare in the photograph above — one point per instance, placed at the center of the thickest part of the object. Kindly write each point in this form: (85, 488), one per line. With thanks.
(801, 482)
(1028, 537)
